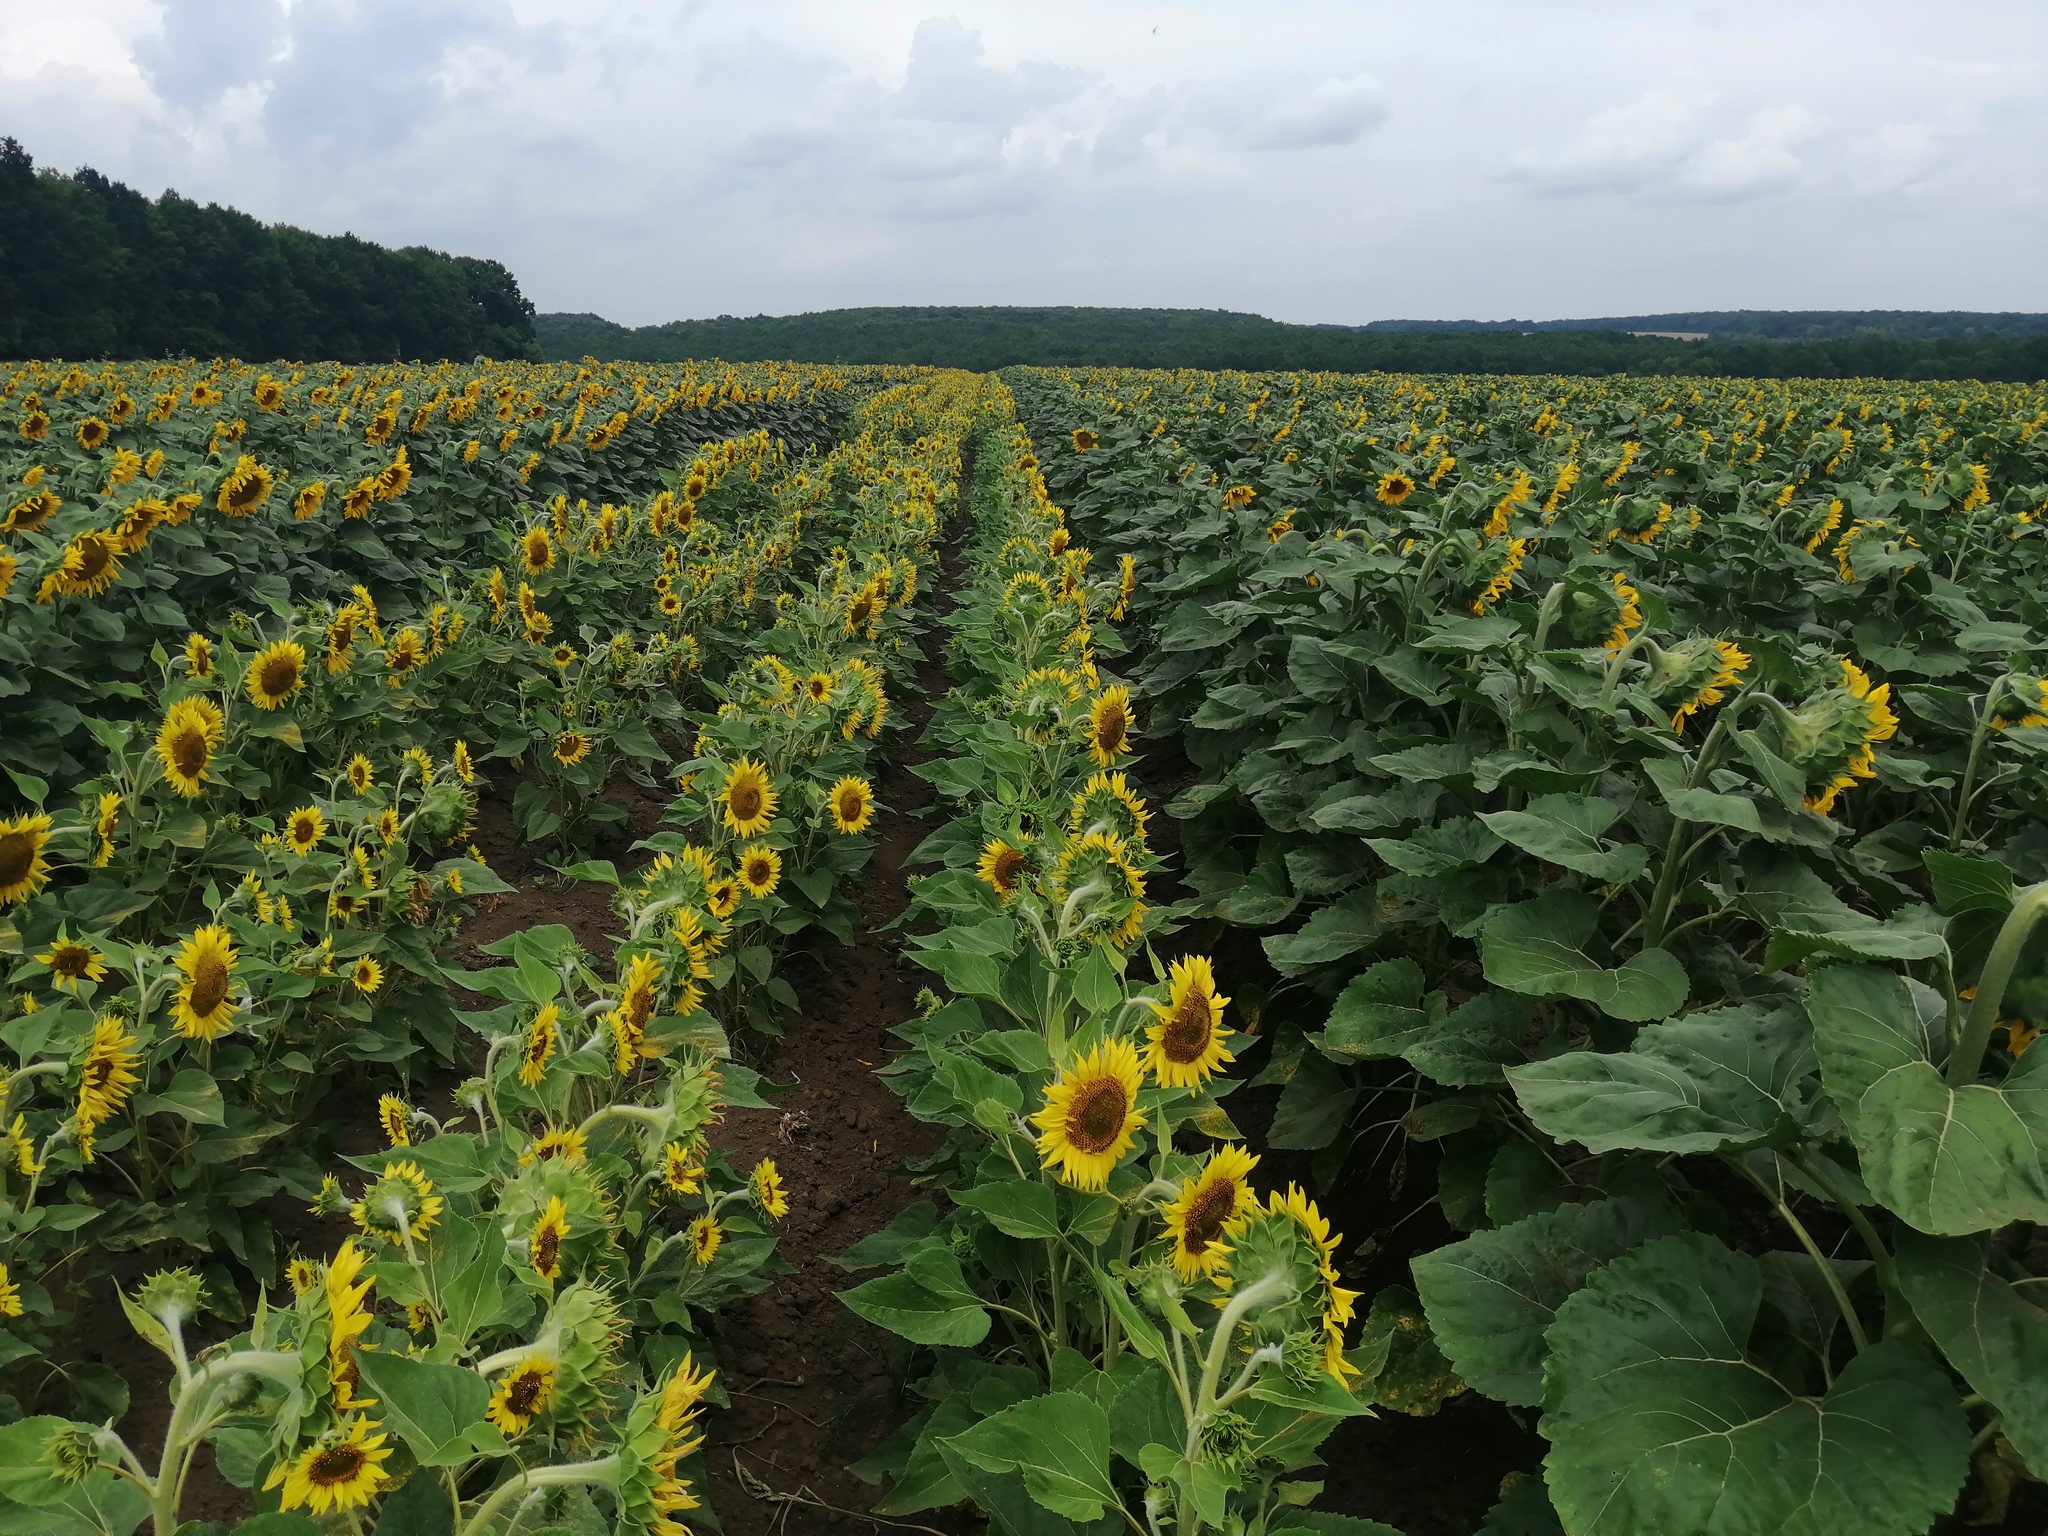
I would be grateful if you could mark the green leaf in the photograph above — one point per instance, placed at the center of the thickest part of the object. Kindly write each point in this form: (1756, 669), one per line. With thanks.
(1475, 1041)
(1707, 1082)
(1565, 829)
(1534, 948)
(419, 1508)
(1059, 1443)
(1320, 1395)
(468, 1261)
(1379, 1013)
(1779, 776)
(1969, 885)
(192, 1094)
(1989, 1332)
(916, 1220)
(1660, 1422)
(1330, 934)
(926, 1481)
(1017, 1208)
(1313, 1106)
(1439, 849)
(1095, 983)
(1491, 1297)
(433, 1407)
(1413, 1377)
(1523, 1510)
(1321, 1522)
(900, 1304)
(1948, 1161)
(1145, 1339)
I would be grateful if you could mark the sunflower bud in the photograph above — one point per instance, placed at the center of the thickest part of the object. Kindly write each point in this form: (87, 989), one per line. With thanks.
(170, 1296)
(73, 1452)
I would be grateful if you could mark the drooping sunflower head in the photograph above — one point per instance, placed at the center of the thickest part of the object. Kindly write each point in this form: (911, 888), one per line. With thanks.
(764, 1188)
(1291, 1239)
(852, 803)
(394, 1117)
(275, 674)
(307, 500)
(748, 797)
(760, 867)
(538, 1046)
(1106, 803)
(1090, 1117)
(205, 1001)
(1101, 887)
(705, 1237)
(398, 1204)
(247, 486)
(1109, 724)
(1208, 1210)
(23, 868)
(303, 830)
(1184, 1047)
(1002, 868)
(90, 564)
(544, 1241)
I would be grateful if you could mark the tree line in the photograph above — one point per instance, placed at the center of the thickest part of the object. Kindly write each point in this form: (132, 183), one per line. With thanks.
(91, 268)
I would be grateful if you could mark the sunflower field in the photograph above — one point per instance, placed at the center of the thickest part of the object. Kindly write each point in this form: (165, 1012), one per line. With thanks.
(1584, 836)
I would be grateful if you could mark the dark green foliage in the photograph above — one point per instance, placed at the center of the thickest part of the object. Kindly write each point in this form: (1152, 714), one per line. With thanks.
(1002, 336)
(92, 268)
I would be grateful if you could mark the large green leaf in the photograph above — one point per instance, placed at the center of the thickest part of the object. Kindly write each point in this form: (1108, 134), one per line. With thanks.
(1949, 1161)
(1990, 1333)
(1703, 1083)
(1380, 1012)
(1491, 1297)
(945, 1312)
(1535, 948)
(1660, 1422)
(1565, 829)
(1016, 1207)
(1060, 1445)
(1330, 934)
(433, 1407)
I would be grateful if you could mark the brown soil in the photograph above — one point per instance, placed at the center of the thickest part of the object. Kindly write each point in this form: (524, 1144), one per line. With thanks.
(813, 1386)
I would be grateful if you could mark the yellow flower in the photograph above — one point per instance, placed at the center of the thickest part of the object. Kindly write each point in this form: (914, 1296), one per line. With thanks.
(465, 770)
(185, 742)
(764, 1188)
(1395, 488)
(1109, 719)
(10, 1295)
(682, 1171)
(394, 1117)
(1091, 1118)
(367, 975)
(303, 830)
(205, 1002)
(276, 674)
(523, 1395)
(342, 1470)
(247, 487)
(567, 1145)
(399, 1205)
(748, 797)
(705, 1236)
(1001, 867)
(346, 1313)
(23, 869)
(91, 563)
(301, 1275)
(1209, 1208)
(852, 802)
(539, 1047)
(536, 551)
(72, 964)
(544, 1243)
(1083, 439)
(107, 1076)
(198, 656)
(759, 869)
(108, 818)
(1185, 1047)
(571, 747)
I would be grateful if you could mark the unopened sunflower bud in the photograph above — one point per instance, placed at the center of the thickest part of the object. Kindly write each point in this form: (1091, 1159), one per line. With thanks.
(73, 1453)
(170, 1296)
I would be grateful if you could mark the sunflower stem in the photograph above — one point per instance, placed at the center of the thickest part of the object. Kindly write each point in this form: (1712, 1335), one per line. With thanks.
(604, 1472)
(1967, 1054)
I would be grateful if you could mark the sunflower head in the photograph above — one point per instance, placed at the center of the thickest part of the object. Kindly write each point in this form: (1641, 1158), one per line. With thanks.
(544, 1241)
(1208, 1210)
(400, 1204)
(523, 1393)
(748, 797)
(1109, 723)
(1395, 488)
(275, 674)
(1090, 1117)
(23, 869)
(1002, 868)
(303, 830)
(73, 965)
(536, 551)
(852, 804)
(342, 1470)
(205, 1002)
(360, 774)
(764, 1188)
(1184, 1047)
(571, 747)
(759, 869)
(247, 486)
(1083, 439)
(367, 975)
(394, 1116)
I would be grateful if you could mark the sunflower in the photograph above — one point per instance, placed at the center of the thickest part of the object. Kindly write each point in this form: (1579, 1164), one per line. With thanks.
(682, 1171)
(108, 1074)
(394, 477)
(571, 747)
(1186, 1046)
(342, 1470)
(92, 434)
(523, 1396)
(407, 650)
(670, 605)
(109, 818)
(1109, 721)
(205, 1001)
(544, 1243)
(1002, 867)
(1091, 1118)
(35, 425)
(307, 500)
(1395, 488)
(367, 975)
(764, 1188)
(90, 564)
(639, 995)
(722, 896)
(818, 687)
(23, 869)
(852, 802)
(748, 797)
(459, 760)
(303, 830)
(1730, 662)
(401, 1204)
(536, 551)
(760, 868)
(1083, 439)
(301, 1275)
(1210, 1207)
(347, 1316)
(198, 656)
(566, 1146)
(72, 964)
(705, 1236)
(276, 673)
(392, 1113)
(539, 1046)
(357, 503)
(246, 488)
(360, 774)
(29, 514)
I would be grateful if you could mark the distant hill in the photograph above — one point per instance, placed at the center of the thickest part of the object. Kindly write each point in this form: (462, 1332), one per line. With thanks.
(1001, 336)
(1773, 324)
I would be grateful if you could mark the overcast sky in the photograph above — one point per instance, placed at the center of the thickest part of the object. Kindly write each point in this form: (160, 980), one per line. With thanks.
(1310, 161)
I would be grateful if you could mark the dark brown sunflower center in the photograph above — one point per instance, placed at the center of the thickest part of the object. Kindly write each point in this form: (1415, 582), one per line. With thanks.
(1212, 1206)
(758, 871)
(209, 984)
(1109, 725)
(1187, 1033)
(303, 832)
(337, 1464)
(70, 960)
(639, 1006)
(99, 1071)
(280, 675)
(1008, 863)
(189, 752)
(525, 1393)
(17, 856)
(851, 804)
(93, 557)
(92, 434)
(745, 800)
(547, 1248)
(1096, 1117)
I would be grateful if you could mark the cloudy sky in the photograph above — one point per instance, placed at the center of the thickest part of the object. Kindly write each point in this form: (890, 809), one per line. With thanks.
(1307, 160)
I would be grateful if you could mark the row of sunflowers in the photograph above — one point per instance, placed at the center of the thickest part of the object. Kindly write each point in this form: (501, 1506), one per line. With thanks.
(260, 891)
(1626, 796)
(1155, 1346)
